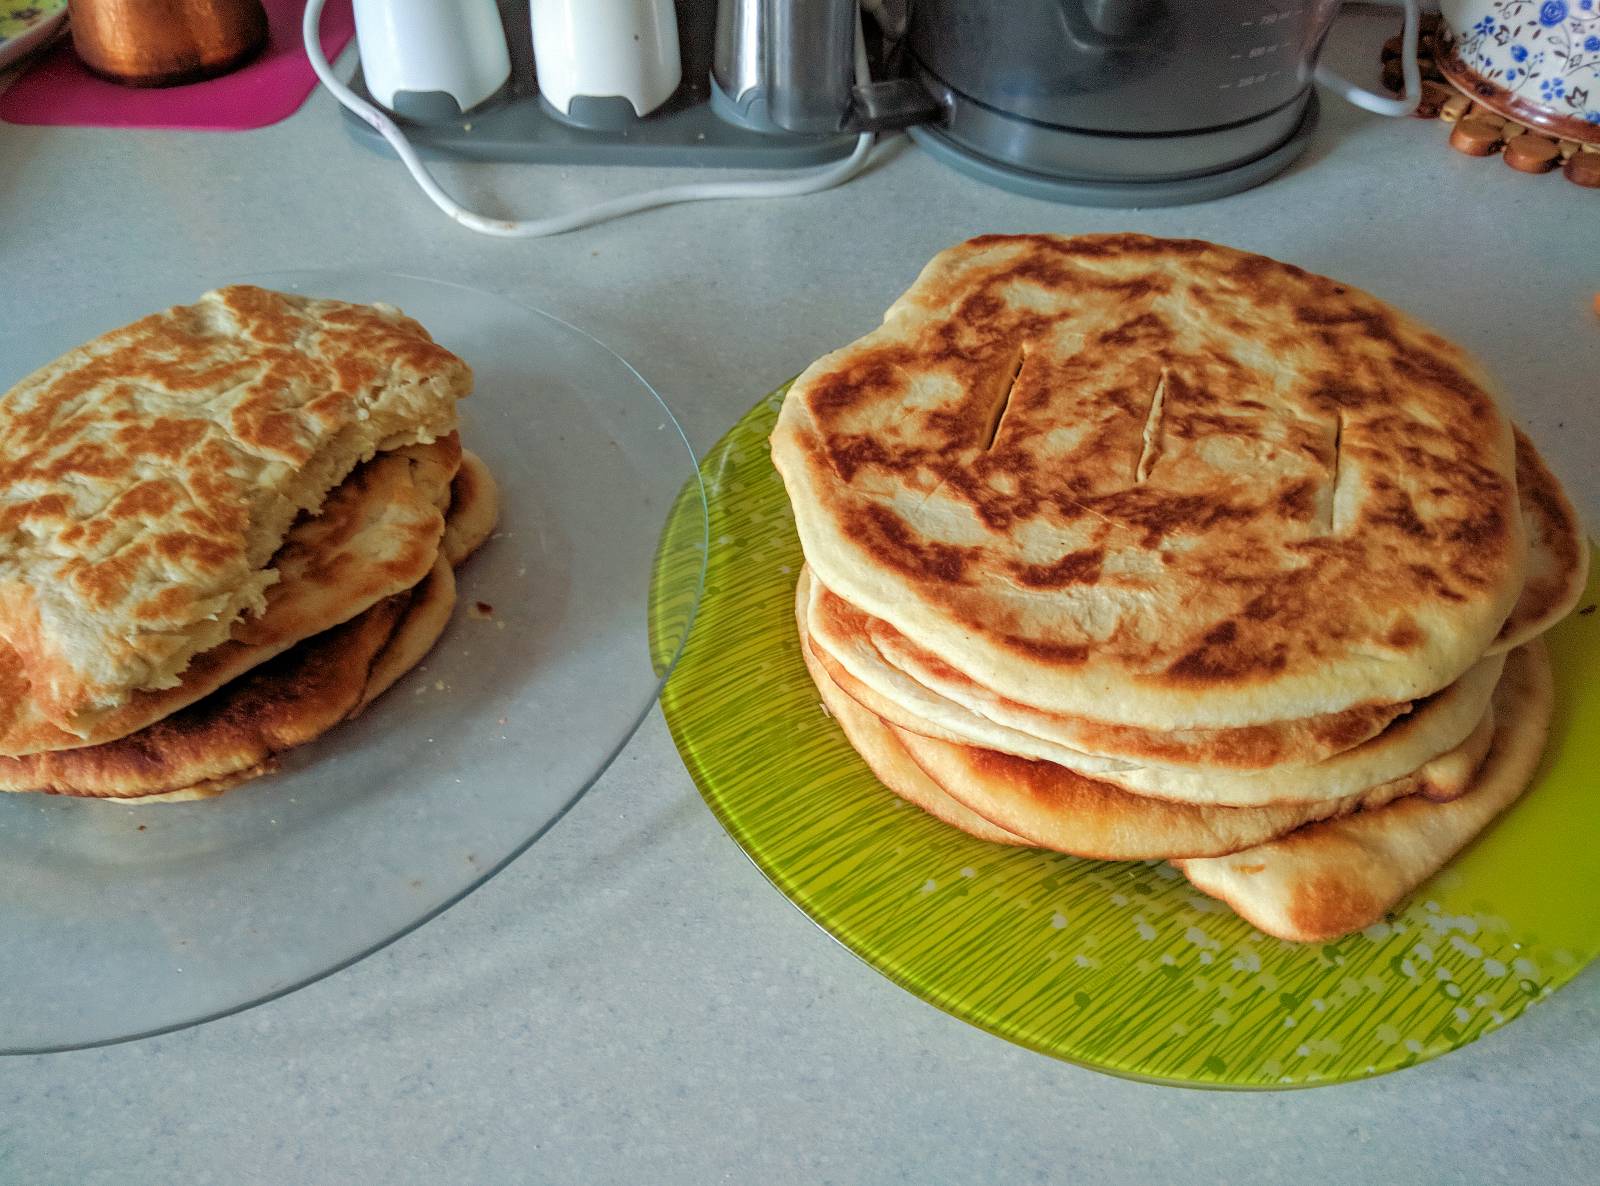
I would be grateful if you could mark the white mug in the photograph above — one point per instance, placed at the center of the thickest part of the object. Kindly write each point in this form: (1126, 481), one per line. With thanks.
(431, 47)
(1534, 61)
(603, 49)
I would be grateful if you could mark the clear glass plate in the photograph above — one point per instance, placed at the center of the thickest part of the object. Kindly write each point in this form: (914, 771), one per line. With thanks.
(123, 921)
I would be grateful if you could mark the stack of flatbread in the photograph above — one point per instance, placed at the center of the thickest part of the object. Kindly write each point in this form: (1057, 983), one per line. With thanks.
(1138, 549)
(224, 529)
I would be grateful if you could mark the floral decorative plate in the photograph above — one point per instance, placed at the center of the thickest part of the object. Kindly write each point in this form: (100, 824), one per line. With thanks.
(26, 25)
(1120, 967)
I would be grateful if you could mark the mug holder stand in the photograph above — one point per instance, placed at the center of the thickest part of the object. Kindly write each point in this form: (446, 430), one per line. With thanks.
(516, 125)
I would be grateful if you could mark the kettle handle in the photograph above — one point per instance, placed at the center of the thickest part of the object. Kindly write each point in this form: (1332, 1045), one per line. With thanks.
(1383, 104)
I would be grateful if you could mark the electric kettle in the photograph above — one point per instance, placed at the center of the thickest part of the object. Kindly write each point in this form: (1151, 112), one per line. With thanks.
(1178, 98)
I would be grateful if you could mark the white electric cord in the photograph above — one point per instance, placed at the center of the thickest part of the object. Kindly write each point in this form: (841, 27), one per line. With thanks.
(534, 228)
(1410, 72)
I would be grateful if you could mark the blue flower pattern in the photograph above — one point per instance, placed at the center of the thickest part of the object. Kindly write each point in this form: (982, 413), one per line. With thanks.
(1551, 44)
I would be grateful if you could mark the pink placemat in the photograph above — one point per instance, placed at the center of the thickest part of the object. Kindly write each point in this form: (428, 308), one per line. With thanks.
(59, 91)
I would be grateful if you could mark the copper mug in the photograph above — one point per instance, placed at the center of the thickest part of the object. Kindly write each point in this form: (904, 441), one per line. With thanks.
(166, 42)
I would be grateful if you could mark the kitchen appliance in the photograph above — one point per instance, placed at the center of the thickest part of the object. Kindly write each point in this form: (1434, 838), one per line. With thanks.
(1066, 96)
(1103, 102)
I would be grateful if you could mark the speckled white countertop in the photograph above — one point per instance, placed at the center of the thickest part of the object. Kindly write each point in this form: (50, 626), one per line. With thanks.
(630, 1001)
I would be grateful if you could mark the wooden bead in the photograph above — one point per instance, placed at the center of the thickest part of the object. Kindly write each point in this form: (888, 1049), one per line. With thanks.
(1434, 96)
(1528, 153)
(1391, 49)
(1393, 79)
(1454, 107)
(1583, 168)
(1475, 135)
(1567, 147)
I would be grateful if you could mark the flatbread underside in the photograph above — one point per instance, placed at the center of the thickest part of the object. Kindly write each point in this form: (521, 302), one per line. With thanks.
(423, 622)
(1011, 800)
(1332, 878)
(278, 705)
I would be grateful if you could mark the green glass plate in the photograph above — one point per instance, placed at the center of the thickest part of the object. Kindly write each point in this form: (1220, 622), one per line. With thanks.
(1117, 966)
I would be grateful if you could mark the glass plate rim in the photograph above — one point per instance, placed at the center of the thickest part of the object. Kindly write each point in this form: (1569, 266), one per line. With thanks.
(491, 872)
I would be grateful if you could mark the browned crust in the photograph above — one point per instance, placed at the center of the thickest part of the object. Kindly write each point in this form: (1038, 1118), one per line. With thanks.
(876, 744)
(154, 469)
(330, 573)
(1334, 877)
(474, 509)
(1350, 512)
(1245, 747)
(1558, 552)
(281, 704)
(235, 735)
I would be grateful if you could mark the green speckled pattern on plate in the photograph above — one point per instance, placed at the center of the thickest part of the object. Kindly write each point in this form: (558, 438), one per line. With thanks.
(19, 16)
(1121, 967)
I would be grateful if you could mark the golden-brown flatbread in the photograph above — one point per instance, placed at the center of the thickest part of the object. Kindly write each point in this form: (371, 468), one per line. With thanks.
(1435, 726)
(1329, 879)
(426, 616)
(211, 743)
(1055, 808)
(1159, 483)
(474, 509)
(939, 690)
(278, 705)
(204, 790)
(880, 750)
(377, 534)
(147, 477)
(1011, 800)
(1558, 553)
